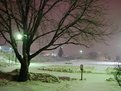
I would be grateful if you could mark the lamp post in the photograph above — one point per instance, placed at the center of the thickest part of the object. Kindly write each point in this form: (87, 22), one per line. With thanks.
(81, 52)
(0, 49)
(18, 37)
(10, 50)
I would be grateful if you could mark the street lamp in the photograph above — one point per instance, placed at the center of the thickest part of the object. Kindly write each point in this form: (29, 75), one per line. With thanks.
(19, 36)
(0, 48)
(81, 51)
(10, 50)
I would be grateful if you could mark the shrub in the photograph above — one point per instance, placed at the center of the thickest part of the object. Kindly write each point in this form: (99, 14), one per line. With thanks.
(110, 79)
(64, 78)
(3, 82)
(68, 69)
(6, 76)
(44, 77)
(110, 70)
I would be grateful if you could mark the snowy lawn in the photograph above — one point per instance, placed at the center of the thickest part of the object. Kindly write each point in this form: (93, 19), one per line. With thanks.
(91, 82)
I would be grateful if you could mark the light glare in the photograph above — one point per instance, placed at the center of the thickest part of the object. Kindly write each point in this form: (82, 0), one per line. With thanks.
(19, 37)
(81, 51)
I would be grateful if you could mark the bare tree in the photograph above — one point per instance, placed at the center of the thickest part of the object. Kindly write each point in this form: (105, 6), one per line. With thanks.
(57, 22)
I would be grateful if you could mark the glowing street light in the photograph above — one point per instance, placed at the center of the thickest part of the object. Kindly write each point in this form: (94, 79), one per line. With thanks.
(19, 36)
(10, 49)
(81, 51)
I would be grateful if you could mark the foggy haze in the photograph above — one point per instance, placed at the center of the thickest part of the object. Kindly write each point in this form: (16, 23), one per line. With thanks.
(113, 46)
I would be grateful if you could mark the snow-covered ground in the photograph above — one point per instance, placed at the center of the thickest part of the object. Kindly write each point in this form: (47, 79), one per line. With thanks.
(91, 82)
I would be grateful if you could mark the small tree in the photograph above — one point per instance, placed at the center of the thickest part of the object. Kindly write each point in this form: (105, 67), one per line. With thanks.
(54, 22)
(93, 55)
(60, 52)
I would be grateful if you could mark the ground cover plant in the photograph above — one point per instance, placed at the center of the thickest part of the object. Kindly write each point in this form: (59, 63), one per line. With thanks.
(68, 69)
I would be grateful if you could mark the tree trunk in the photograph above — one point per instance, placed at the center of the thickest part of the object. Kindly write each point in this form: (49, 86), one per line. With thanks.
(23, 74)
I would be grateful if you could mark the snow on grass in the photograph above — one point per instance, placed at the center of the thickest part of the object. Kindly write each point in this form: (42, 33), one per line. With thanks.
(68, 69)
(91, 82)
